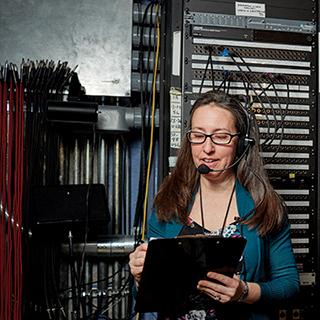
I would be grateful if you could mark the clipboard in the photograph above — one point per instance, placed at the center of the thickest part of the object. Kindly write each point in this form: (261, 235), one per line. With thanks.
(173, 268)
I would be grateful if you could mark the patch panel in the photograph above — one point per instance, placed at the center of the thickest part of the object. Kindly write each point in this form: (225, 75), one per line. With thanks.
(287, 136)
(288, 148)
(236, 77)
(296, 124)
(234, 21)
(260, 53)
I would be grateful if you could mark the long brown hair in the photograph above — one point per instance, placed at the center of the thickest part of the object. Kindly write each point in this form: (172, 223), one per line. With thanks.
(175, 195)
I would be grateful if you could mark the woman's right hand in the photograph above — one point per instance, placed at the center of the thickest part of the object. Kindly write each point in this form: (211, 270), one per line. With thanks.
(136, 262)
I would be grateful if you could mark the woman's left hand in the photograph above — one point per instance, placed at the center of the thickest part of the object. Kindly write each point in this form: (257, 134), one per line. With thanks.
(226, 289)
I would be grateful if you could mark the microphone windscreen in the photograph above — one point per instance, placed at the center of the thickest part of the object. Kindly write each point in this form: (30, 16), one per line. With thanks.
(203, 169)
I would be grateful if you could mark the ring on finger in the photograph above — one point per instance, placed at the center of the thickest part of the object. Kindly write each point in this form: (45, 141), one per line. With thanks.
(218, 297)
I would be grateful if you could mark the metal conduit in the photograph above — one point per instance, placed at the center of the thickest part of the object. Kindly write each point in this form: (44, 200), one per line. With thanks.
(111, 246)
(148, 59)
(127, 215)
(117, 179)
(138, 13)
(149, 36)
(127, 168)
(102, 268)
(117, 196)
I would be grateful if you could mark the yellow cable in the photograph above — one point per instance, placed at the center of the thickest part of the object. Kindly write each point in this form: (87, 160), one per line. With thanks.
(152, 129)
(152, 125)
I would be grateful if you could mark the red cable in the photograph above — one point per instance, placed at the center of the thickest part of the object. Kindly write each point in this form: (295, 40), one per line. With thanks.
(15, 207)
(2, 191)
(9, 276)
(11, 197)
(4, 195)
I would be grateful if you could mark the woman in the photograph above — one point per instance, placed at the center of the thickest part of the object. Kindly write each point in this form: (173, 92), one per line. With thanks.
(229, 196)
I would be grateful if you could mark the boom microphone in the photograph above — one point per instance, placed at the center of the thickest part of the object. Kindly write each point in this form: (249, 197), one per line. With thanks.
(204, 169)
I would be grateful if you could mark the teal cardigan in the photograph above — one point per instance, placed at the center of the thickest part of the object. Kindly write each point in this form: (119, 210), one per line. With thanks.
(269, 261)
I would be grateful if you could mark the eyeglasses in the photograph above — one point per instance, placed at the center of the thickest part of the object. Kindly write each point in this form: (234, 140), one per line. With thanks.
(217, 138)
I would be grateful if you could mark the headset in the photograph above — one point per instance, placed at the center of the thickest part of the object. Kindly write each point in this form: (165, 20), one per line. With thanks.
(244, 142)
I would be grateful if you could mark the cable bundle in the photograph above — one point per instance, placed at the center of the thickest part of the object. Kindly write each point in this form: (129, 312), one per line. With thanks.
(43, 81)
(25, 141)
(11, 191)
(148, 105)
(255, 87)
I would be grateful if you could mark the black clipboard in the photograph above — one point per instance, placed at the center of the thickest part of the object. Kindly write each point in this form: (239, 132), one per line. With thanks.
(173, 267)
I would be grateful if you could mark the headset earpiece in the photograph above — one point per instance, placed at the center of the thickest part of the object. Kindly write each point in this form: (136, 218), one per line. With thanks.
(244, 140)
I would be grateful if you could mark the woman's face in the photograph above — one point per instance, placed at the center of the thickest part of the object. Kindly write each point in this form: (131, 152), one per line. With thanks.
(213, 119)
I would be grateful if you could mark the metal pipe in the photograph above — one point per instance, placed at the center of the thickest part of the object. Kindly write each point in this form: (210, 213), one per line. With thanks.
(147, 82)
(88, 279)
(139, 10)
(62, 158)
(148, 60)
(102, 160)
(76, 162)
(102, 266)
(117, 196)
(107, 246)
(117, 188)
(120, 119)
(127, 179)
(71, 111)
(88, 162)
(149, 36)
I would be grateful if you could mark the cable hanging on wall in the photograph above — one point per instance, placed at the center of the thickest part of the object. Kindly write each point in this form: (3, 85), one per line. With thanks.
(26, 142)
(148, 105)
(12, 161)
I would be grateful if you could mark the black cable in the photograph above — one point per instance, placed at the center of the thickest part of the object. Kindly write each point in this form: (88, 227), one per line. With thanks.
(143, 160)
(45, 283)
(276, 127)
(109, 277)
(225, 53)
(226, 89)
(73, 277)
(108, 318)
(68, 75)
(263, 91)
(201, 207)
(148, 96)
(281, 125)
(53, 80)
(227, 212)
(100, 310)
(118, 295)
(209, 60)
(226, 76)
(60, 80)
(55, 288)
(81, 272)
(138, 212)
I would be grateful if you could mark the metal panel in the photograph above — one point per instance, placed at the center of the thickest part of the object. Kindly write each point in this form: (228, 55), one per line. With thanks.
(95, 35)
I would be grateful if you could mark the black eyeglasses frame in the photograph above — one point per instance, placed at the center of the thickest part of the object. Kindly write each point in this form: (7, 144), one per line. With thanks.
(210, 136)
